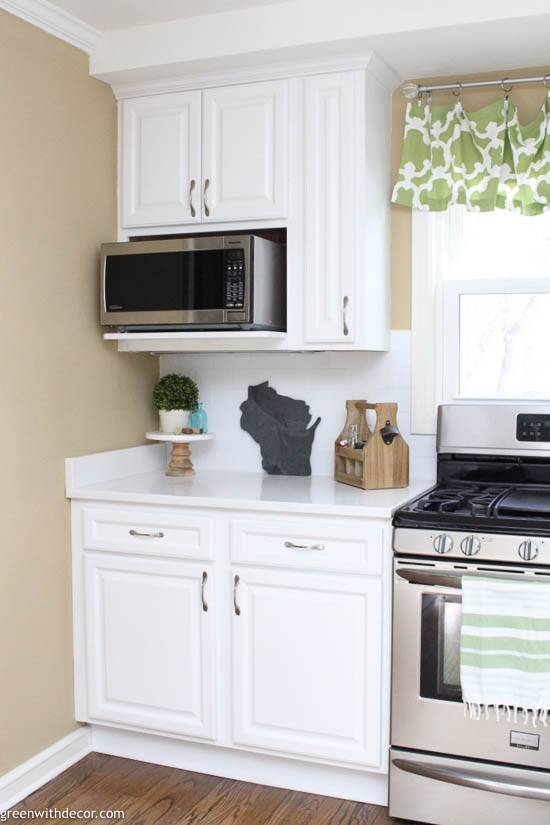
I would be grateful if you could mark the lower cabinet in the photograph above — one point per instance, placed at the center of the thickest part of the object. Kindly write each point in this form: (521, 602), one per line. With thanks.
(307, 664)
(266, 634)
(150, 643)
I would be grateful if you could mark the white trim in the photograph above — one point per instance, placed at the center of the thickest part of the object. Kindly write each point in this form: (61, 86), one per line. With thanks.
(55, 21)
(232, 763)
(44, 766)
(181, 80)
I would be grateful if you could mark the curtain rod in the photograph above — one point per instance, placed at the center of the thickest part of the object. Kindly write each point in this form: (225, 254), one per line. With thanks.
(412, 90)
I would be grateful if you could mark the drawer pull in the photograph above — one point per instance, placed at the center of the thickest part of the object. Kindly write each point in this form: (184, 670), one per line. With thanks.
(236, 581)
(292, 546)
(157, 535)
(203, 585)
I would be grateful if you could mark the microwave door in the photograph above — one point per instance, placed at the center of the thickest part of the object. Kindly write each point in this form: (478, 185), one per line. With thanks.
(161, 288)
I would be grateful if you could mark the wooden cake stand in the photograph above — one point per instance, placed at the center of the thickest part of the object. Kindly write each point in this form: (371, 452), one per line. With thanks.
(180, 457)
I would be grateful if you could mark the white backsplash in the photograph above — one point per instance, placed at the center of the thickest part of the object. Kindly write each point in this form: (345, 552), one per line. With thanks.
(323, 380)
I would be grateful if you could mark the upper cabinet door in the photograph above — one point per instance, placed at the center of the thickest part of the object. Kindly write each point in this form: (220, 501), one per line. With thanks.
(161, 159)
(245, 167)
(330, 208)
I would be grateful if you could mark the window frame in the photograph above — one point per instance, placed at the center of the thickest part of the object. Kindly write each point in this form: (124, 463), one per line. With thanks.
(435, 308)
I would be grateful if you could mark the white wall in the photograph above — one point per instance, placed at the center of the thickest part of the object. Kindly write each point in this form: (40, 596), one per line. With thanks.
(324, 380)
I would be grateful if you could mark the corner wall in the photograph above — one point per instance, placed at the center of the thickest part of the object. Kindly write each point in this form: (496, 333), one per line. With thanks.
(64, 391)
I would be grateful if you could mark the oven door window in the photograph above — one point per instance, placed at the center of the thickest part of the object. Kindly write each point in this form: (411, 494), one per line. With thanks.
(165, 281)
(440, 647)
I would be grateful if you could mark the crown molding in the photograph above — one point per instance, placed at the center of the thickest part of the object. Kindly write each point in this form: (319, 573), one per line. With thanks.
(179, 81)
(55, 21)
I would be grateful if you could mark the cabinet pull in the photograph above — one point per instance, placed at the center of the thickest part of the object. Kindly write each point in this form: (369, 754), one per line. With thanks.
(157, 535)
(191, 188)
(203, 585)
(206, 187)
(345, 303)
(236, 581)
(293, 546)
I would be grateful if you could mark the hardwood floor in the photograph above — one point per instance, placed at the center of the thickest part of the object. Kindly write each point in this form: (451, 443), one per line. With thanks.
(150, 794)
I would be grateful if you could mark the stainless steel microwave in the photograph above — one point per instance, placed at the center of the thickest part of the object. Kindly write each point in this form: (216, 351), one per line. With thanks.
(209, 282)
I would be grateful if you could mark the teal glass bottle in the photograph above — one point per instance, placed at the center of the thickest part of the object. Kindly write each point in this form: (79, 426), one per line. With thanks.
(199, 419)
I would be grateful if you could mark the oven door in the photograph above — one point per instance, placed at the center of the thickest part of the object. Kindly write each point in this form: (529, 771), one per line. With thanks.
(427, 709)
(179, 283)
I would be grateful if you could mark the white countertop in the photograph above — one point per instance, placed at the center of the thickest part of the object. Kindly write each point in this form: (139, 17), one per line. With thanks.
(105, 479)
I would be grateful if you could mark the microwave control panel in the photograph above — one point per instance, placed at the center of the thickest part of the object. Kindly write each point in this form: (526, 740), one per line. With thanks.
(234, 279)
(533, 427)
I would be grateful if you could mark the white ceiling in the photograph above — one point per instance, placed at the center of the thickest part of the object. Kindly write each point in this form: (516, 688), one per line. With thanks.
(109, 15)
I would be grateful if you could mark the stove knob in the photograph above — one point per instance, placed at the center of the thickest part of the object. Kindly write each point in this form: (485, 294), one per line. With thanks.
(443, 543)
(470, 545)
(528, 550)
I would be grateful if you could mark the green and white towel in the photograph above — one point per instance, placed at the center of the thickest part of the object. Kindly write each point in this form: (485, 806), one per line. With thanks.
(505, 648)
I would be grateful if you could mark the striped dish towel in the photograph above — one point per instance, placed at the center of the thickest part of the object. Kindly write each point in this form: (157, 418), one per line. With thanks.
(505, 648)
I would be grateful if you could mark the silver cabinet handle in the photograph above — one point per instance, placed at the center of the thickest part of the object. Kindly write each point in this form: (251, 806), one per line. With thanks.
(293, 546)
(484, 781)
(192, 209)
(345, 303)
(236, 581)
(206, 188)
(203, 585)
(157, 535)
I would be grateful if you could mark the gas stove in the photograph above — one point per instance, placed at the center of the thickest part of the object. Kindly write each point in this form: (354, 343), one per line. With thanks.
(493, 478)
(487, 516)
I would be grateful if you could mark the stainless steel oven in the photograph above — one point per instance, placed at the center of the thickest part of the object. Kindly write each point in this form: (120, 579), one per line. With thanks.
(427, 709)
(204, 282)
(488, 515)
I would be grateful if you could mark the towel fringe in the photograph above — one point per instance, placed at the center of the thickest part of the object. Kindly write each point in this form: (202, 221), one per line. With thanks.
(508, 713)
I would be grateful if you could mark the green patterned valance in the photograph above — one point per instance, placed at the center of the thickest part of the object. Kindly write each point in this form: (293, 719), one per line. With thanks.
(484, 160)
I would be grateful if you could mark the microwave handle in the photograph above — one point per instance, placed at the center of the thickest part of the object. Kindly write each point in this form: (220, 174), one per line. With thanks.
(451, 578)
(467, 778)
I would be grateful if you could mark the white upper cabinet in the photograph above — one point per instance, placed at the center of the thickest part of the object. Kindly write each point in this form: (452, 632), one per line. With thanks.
(151, 650)
(307, 664)
(161, 159)
(308, 152)
(244, 168)
(330, 221)
(244, 162)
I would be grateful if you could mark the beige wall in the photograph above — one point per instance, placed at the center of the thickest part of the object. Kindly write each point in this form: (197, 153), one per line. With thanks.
(64, 392)
(529, 100)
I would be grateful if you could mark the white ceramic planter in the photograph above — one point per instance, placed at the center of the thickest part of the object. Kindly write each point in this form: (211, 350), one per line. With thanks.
(172, 420)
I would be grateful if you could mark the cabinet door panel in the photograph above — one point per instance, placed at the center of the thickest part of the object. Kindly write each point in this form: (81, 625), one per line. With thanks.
(245, 152)
(330, 219)
(150, 644)
(160, 159)
(307, 665)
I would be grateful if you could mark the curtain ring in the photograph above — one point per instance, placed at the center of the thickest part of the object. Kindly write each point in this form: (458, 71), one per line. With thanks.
(503, 86)
(458, 94)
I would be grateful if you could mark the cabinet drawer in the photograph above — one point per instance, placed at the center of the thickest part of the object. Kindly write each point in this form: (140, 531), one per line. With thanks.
(149, 532)
(310, 545)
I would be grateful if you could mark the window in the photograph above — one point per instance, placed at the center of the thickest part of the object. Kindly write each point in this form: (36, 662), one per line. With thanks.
(481, 310)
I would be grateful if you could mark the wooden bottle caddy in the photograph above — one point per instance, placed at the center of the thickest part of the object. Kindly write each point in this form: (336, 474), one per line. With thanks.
(383, 460)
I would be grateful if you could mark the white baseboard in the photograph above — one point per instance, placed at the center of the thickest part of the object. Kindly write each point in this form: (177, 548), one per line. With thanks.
(230, 763)
(49, 763)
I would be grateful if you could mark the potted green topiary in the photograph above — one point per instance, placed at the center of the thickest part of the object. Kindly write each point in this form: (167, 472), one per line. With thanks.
(174, 397)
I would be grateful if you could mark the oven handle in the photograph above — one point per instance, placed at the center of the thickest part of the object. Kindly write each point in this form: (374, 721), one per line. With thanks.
(482, 781)
(452, 578)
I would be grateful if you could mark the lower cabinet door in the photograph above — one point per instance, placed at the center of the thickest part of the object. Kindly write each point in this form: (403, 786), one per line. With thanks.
(150, 643)
(307, 664)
